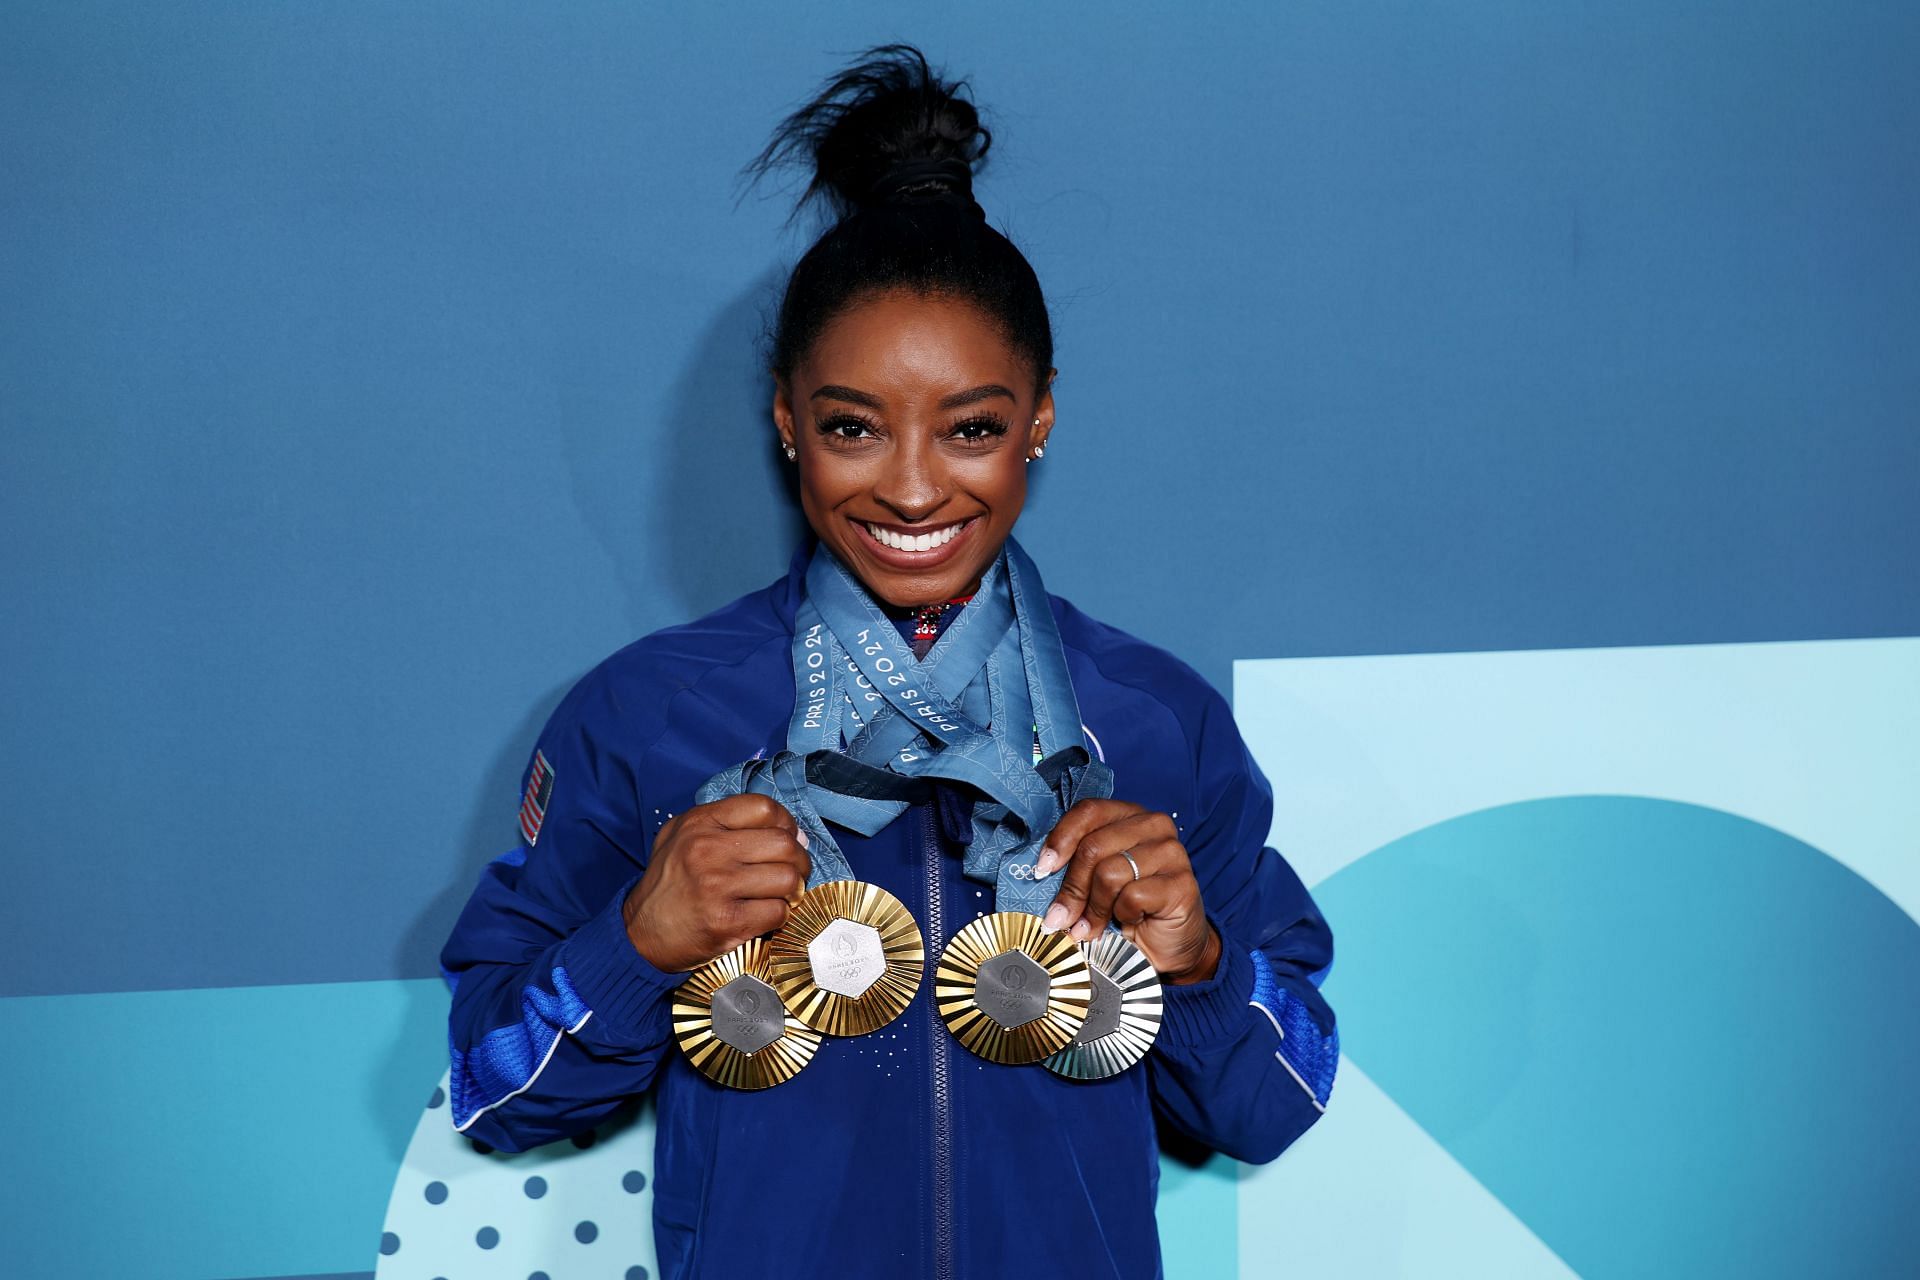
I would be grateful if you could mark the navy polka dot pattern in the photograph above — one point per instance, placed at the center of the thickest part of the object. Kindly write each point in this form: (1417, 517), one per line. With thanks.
(471, 1213)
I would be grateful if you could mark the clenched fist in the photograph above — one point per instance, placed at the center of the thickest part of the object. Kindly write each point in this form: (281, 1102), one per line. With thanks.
(722, 874)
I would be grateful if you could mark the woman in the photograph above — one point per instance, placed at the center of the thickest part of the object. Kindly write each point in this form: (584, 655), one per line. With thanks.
(911, 369)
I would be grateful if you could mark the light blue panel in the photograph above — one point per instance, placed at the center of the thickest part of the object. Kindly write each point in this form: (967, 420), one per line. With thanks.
(1569, 1009)
(1814, 737)
(1615, 1010)
(182, 1135)
(1367, 1194)
(1198, 1214)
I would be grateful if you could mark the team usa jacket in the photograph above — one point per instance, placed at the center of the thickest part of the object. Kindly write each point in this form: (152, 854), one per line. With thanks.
(898, 1152)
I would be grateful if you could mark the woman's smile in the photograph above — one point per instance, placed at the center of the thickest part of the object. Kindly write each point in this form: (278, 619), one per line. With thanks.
(917, 546)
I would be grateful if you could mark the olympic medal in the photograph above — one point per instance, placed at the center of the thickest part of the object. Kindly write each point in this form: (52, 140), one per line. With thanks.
(848, 959)
(732, 1025)
(1010, 992)
(1122, 1018)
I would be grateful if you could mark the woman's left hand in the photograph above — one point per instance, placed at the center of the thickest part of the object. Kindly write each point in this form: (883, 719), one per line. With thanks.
(1158, 909)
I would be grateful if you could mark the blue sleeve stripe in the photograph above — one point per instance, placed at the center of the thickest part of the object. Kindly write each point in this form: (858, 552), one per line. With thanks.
(509, 1059)
(1309, 1057)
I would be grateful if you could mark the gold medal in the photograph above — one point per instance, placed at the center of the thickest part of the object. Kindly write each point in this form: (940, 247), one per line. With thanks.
(732, 1025)
(848, 959)
(1010, 992)
(1123, 1016)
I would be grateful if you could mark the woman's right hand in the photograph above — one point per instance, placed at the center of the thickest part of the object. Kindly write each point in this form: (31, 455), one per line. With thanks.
(722, 874)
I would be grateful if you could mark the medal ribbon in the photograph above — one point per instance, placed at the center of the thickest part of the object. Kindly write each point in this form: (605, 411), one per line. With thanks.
(872, 725)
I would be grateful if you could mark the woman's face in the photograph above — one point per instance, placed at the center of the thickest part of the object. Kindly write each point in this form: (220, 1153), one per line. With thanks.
(914, 421)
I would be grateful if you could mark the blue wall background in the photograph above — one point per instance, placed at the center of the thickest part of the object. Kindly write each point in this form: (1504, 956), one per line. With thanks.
(367, 371)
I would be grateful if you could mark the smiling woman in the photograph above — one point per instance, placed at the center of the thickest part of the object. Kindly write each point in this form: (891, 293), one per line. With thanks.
(912, 443)
(744, 840)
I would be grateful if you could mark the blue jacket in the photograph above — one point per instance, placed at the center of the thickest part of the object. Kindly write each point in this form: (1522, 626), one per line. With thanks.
(898, 1152)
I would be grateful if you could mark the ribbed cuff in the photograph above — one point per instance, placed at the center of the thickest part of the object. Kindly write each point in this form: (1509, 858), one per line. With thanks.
(619, 984)
(1203, 1012)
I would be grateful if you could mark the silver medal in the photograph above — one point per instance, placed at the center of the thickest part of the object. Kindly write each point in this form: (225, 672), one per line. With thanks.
(1123, 1016)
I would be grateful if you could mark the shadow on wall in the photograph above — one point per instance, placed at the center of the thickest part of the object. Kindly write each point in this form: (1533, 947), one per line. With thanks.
(715, 517)
(490, 831)
(727, 511)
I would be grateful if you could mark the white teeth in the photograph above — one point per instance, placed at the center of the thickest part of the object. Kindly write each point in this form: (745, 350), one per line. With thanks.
(914, 542)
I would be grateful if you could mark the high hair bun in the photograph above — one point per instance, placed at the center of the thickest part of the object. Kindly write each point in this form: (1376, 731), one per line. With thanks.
(886, 130)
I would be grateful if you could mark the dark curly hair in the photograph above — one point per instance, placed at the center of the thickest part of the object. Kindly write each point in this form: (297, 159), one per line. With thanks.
(892, 147)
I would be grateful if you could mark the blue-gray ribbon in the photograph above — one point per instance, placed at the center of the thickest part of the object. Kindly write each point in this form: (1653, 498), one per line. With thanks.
(872, 725)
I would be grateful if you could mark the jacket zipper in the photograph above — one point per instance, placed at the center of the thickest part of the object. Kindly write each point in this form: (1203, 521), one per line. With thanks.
(942, 1067)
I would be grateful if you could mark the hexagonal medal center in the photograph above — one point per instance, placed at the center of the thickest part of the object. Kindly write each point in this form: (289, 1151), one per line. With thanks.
(747, 1014)
(1012, 989)
(1103, 1010)
(847, 958)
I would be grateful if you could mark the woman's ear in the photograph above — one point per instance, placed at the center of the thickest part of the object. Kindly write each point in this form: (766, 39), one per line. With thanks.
(783, 413)
(1042, 424)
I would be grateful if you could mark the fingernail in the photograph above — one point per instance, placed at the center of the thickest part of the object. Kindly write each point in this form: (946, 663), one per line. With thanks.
(1055, 918)
(801, 836)
(1080, 930)
(1044, 867)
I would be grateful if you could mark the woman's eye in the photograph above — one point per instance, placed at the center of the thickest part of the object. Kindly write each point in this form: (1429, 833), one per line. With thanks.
(844, 425)
(980, 429)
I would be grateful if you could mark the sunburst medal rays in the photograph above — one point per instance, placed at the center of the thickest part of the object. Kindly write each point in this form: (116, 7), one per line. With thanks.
(848, 959)
(1123, 1016)
(732, 1026)
(1010, 992)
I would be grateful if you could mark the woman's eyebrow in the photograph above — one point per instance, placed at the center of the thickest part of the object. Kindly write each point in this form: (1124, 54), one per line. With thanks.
(835, 391)
(985, 391)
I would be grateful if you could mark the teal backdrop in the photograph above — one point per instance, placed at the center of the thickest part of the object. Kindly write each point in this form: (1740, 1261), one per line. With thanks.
(1512, 405)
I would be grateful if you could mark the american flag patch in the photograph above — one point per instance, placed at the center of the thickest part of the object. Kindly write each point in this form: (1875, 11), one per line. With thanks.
(533, 806)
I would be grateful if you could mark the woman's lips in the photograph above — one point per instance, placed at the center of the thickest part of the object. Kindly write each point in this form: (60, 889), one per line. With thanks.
(934, 555)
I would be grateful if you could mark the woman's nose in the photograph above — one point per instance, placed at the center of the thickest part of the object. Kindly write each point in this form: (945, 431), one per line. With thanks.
(911, 486)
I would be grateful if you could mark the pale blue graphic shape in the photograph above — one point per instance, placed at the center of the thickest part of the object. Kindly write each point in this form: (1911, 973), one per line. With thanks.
(1673, 1041)
(1814, 737)
(179, 1135)
(1197, 1212)
(604, 1178)
(1368, 1194)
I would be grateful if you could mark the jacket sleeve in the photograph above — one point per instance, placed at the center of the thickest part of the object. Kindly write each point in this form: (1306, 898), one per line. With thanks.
(1245, 1060)
(556, 1018)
